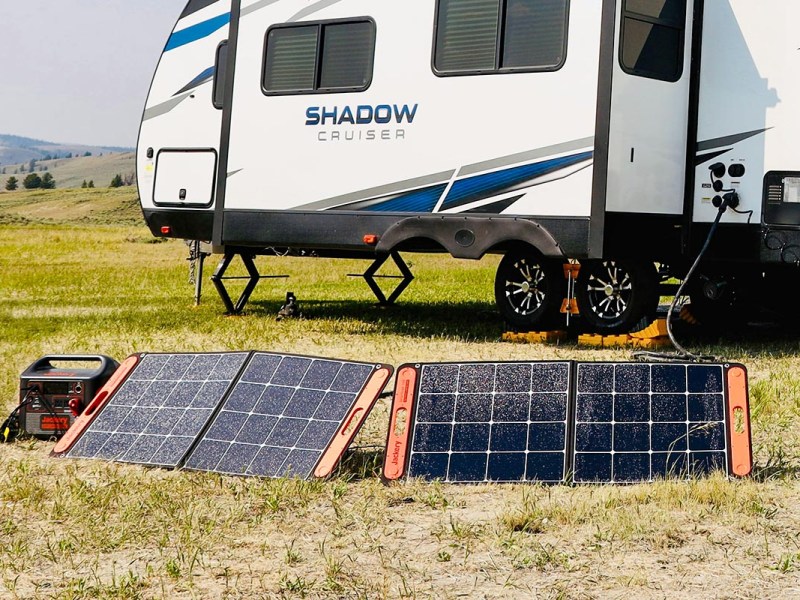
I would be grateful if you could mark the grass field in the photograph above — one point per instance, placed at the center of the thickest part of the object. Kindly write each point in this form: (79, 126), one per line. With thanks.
(81, 274)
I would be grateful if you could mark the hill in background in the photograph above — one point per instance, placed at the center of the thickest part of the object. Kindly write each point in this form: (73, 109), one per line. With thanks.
(69, 164)
(15, 149)
(72, 172)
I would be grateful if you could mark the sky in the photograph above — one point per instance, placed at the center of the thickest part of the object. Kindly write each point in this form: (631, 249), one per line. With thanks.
(78, 71)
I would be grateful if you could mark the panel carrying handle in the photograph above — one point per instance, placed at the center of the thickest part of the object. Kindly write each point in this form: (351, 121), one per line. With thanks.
(739, 422)
(352, 422)
(46, 361)
(394, 465)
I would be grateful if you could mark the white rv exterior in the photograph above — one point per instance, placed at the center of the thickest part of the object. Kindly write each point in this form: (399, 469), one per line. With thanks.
(545, 130)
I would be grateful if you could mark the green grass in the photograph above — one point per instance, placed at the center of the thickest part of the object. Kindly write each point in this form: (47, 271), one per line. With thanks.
(81, 275)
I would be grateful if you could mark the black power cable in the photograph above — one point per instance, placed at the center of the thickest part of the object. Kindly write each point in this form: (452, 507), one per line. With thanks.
(10, 428)
(681, 352)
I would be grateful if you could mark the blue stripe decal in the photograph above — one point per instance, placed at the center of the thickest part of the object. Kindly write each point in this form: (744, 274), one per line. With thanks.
(422, 201)
(202, 78)
(481, 187)
(197, 32)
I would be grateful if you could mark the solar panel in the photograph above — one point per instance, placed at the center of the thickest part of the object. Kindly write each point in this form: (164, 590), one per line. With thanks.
(638, 422)
(476, 422)
(156, 414)
(289, 416)
(562, 421)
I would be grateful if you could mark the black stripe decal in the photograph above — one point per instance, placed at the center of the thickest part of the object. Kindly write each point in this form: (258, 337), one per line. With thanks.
(195, 5)
(704, 158)
(495, 208)
(728, 140)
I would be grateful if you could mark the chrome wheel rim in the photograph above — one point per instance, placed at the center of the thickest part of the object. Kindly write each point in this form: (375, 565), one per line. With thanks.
(610, 290)
(524, 287)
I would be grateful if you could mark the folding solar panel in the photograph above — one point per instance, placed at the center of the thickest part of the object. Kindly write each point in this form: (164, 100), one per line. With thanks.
(474, 422)
(154, 416)
(568, 422)
(289, 416)
(638, 422)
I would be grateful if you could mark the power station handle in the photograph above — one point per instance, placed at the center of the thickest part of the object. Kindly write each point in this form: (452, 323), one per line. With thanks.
(45, 362)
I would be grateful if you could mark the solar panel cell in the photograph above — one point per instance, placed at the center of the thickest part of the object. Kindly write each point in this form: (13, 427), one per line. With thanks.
(516, 407)
(304, 403)
(506, 466)
(351, 378)
(470, 437)
(467, 467)
(547, 437)
(547, 467)
(474, 407)
(509, 437)
(334, 406)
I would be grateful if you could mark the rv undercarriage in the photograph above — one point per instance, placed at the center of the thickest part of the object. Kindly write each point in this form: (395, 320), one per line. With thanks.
(608, 296)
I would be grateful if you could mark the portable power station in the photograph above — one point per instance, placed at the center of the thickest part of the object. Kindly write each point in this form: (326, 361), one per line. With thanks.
(53, 392)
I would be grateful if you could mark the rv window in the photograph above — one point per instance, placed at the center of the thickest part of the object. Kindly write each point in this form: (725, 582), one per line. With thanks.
(218, 95)
(496, 36)
(652, 38)
(322, 57)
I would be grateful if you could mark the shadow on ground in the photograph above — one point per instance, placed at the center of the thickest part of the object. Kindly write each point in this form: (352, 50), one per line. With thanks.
(475, 321)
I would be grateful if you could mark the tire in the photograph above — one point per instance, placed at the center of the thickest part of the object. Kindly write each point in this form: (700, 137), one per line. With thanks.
(529, 289)
(723, 301)
(616, 296)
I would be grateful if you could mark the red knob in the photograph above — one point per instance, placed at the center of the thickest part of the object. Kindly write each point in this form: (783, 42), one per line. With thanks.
(75, 406)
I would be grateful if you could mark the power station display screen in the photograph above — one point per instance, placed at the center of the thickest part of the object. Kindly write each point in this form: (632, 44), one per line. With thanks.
(791, 190)
(55, 388)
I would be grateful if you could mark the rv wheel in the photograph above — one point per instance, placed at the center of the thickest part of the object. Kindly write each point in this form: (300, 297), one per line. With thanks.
(528, 289)
(616, 296)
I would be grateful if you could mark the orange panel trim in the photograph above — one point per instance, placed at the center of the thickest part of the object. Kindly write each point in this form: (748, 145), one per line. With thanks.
(352, 422)
(90, 412)
(739, 422)
(394, 465)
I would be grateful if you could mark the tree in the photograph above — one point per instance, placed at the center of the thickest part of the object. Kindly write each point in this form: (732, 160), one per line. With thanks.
(87, 153)
(22, 168)
(12, 184)
(83, 185)
(91, 183)
(32, 165)
(48, 183)
(117, 181)
(32, 182)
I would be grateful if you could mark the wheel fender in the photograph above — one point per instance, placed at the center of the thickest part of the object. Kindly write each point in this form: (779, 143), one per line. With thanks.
(470, 237)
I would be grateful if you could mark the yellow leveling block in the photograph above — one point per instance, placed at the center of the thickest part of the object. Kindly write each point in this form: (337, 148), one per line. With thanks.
(535, 337)
(652, 336)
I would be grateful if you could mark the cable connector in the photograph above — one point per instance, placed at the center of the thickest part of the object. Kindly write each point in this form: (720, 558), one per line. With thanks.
(9, 429)
(729, 200)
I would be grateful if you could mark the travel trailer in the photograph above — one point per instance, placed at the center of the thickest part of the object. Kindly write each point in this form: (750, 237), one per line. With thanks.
(609, 133)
